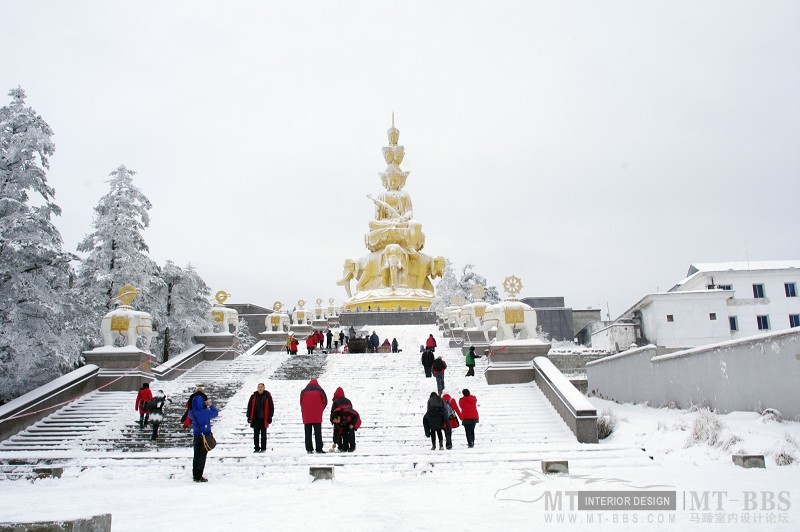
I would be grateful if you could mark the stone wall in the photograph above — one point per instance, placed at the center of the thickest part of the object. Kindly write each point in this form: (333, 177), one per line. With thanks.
(360, 319)
(749, 375)
(557, 322)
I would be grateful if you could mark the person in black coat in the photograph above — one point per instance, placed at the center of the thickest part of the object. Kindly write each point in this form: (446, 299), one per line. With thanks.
(374, 342)
(427, 361)
(260, 410)
(435, 420)
(157, 412)
(395, 345)
(348, 422)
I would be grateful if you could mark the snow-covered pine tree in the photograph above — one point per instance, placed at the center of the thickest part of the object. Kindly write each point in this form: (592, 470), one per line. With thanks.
(446, 289)
(118, 254)
(470, 278)
(186, 306)
(451, 285)
(244, 338)
(36, 341)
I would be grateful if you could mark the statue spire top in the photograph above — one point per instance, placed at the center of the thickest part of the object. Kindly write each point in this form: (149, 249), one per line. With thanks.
(393, 133)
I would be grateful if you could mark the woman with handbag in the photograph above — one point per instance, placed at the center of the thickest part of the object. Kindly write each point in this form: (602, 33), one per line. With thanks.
(453, 415)
(201, 414)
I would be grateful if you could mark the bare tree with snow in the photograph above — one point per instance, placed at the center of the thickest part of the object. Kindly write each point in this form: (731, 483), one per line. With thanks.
(36, 340)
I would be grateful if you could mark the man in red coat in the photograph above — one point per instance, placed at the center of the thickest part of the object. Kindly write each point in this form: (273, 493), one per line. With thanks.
(311, 341)
(312, 404)
(260, 410)
(430, 343)
(142, 398)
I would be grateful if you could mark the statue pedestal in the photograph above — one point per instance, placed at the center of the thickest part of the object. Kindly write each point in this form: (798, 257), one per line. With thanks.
(333, 321)
(511, 361)
(457, 338)
(301, 332)
(474, 337)
(219, 346)
(319, 325)
(276, 340)
(121, 368)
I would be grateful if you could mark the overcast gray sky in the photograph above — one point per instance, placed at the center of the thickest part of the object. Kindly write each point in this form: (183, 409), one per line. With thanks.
(594, 149)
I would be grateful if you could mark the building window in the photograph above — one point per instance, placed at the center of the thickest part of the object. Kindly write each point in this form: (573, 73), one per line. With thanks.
(791, 289)
(725, 286)
(758, 291)
(670, 319)
(712, 316)
(763, 323)
(794, 320)
(734, 323)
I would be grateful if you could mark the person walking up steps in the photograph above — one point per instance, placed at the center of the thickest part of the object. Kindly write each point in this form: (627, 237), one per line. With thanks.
(157, 412)
(469, 415)
(312, 404)
(427, 362)
(470, 361)
(329, 339)
(430, 343)
(260, 410)
(293, 345)
(435, 419)
(142, 398)
(453, 415)
(439, 366)
(201, 414)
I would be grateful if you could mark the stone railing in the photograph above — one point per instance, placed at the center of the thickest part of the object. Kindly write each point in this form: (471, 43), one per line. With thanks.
(180, 364)
(24, 411)
(575, 409)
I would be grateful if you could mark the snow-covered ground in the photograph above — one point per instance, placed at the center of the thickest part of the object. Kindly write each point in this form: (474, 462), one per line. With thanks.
(394, 481)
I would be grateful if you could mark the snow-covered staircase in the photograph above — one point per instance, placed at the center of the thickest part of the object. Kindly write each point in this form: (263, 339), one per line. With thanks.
(518, 426)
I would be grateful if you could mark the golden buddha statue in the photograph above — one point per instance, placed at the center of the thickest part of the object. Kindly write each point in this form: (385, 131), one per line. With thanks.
(395, 273)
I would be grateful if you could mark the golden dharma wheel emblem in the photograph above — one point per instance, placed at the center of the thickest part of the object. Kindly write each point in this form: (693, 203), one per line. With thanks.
(319, 301)
(277, 306)
(458, 300)
(331, 300)
(221, 297)
(127, 294)
(478, 291)
(301, 303)
(512, 285)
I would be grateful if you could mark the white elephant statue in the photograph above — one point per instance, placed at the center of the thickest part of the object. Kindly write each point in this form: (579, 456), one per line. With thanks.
(223, 318)
(277, 322)
(507, 316)
(454, 317)
(302, 316)
(124, 322)
(472, 314)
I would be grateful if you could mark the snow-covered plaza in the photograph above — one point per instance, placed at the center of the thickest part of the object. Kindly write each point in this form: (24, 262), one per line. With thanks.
(394, 480)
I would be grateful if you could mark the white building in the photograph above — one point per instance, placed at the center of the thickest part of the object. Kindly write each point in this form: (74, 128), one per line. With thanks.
(719, 301)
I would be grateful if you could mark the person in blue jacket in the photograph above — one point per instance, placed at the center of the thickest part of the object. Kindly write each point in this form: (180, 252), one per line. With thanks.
(201, 413)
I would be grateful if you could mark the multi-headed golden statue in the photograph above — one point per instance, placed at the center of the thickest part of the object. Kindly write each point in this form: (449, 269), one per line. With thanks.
(394, 274)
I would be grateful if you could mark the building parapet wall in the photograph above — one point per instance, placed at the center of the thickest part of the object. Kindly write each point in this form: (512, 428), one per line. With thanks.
(749, 374)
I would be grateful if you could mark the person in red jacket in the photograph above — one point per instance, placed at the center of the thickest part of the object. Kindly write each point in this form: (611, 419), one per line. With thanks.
(142, 398)
(293, 346)
(453, 415)
(312, 404)
(469, 415)
(349, 421)
(311, 341)
(260, 410)
(340, 402)
(430, 343)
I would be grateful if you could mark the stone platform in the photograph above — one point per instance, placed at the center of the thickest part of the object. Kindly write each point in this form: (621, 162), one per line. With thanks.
(219, 346)
(121, 368)
(511, 362)
(276, 340)
(301, 332)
